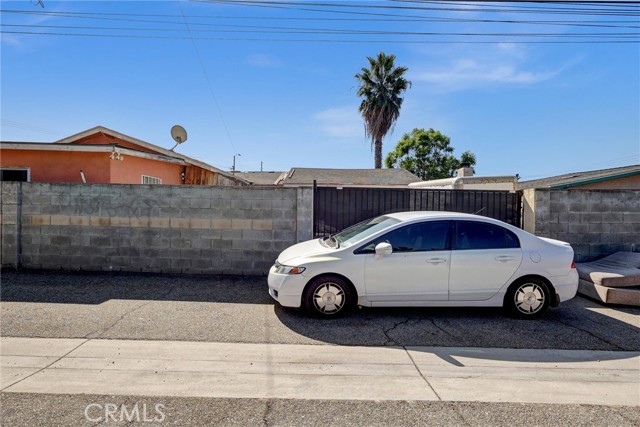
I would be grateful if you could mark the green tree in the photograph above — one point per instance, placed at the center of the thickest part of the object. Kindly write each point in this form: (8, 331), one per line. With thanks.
(428, 155)
(380, 87)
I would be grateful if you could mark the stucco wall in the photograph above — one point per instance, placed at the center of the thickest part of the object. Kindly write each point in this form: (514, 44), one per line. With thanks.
(596, 222)
(169, 229)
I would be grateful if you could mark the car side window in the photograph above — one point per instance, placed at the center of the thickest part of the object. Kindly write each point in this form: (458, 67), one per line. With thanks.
(472, 235)
(421, 237)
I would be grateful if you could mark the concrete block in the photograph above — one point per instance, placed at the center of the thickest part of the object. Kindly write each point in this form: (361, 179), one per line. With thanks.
(263, 245)
(27, 229)
(79, 220)
(31, 209)
(284, 224)
(38, 220)
(201, 263)
(200, 223)
(200, 203)
(257, 235)
(591, 217)
(631, 217)
(139, 222)
(61, 240)
(119, 221)
(241, 224)
(179, 223)
(578, 228)
(221, 224)
(55, 262)
(261, 204)
(159, 222)
(222, 244)
(170, 212)
(240, 204)
(613, 217)
(100, 242)
(172, 233)
(99, 221)
(50, 210)
(201, 244)
(242, 244)
(180, 263)
(261, 224)
(179, 243)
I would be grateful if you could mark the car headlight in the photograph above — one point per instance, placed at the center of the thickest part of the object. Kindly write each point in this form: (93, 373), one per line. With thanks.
(288, 269)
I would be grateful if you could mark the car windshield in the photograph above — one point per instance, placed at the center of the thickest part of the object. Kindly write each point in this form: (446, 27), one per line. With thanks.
(362, 230)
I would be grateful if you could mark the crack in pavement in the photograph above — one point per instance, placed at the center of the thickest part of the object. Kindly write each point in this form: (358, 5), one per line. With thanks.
(267, 412)
(391, 341)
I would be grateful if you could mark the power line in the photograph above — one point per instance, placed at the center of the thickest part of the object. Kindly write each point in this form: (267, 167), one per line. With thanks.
(293, 30)
(134, 36)
(206, 76)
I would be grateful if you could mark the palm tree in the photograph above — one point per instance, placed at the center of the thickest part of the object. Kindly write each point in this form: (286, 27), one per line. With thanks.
(380, 88)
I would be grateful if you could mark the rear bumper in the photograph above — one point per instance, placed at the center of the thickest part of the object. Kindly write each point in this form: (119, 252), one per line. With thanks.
(566, 286)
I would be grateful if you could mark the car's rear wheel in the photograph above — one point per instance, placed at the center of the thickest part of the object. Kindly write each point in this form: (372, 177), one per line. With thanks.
(328, 296)
(528, 298)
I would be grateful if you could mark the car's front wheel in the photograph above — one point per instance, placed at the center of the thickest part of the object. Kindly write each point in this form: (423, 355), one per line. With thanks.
(528, 298)
(328, 296)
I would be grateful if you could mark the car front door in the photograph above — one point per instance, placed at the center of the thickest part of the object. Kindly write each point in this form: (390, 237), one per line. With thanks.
(416, 270)
(484, 257)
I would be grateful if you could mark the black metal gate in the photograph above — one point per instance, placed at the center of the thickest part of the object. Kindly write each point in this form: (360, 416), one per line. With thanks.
(335, 208)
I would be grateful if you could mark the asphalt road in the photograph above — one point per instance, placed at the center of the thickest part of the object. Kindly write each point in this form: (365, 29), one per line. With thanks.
(238, 309)
(69, 410)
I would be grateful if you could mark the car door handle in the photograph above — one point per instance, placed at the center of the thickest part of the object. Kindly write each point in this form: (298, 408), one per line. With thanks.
(436, 260)
(505, 258)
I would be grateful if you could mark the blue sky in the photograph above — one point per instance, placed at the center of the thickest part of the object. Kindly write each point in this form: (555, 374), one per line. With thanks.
(528, 108)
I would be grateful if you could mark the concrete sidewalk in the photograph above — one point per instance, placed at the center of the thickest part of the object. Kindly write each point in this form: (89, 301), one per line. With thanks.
(232, 370)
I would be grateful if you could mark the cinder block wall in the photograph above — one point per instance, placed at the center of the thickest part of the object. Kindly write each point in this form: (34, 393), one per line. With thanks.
(168, 229)
(596, 222)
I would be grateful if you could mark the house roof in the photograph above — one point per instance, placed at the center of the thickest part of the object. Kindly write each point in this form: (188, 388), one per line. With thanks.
(71, 144)
(349, 177)
(88, 148)
(261, 178)
(581, 178)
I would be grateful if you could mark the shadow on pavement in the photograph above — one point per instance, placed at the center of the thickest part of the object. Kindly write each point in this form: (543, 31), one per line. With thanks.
(245, 313)
(97, 288)
(577, 324)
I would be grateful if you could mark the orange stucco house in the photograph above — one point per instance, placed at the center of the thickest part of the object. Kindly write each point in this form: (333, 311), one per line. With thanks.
(102, 155)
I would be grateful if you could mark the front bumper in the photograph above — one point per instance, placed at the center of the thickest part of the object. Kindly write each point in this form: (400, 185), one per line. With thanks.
(286, 289)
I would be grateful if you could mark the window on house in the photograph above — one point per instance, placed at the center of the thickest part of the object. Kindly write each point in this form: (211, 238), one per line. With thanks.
(146, 179)
(15, 174)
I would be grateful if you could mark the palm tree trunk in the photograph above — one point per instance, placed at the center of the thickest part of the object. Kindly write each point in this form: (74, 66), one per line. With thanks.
(378, 153)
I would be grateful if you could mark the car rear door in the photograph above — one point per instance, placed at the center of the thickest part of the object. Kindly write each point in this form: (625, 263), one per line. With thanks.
(484, 257)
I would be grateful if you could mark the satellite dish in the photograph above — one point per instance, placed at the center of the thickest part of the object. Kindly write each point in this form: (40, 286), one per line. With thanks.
(178, 134)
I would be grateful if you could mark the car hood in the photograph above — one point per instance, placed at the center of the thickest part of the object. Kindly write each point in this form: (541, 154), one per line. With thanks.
(308, 248)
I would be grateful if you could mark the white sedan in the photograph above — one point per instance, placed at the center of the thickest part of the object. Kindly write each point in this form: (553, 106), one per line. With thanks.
(426, 259)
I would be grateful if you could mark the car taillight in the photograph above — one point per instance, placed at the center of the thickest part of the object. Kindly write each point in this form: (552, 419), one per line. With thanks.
(573, 264)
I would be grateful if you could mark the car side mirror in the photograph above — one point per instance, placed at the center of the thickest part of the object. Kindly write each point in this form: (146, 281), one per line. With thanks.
(384, 248)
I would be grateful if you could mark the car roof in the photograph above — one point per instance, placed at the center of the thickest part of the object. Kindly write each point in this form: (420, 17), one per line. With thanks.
(414, 215)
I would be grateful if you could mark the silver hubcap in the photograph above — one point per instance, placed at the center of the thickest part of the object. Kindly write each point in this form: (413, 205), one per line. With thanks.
(529, 298)
(328, 298)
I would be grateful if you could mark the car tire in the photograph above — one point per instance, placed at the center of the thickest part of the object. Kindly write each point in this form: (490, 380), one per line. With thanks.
(527, 298)
(328, 297)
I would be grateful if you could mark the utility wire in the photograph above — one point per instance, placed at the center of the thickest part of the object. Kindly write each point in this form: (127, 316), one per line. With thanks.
(279, 30)
(133, 36)
(206, 76)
